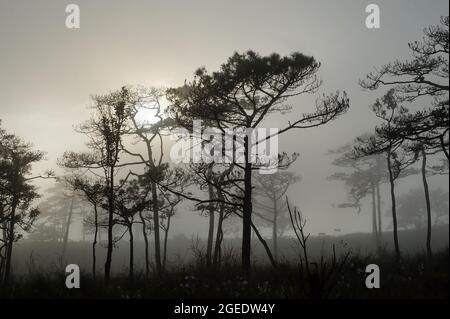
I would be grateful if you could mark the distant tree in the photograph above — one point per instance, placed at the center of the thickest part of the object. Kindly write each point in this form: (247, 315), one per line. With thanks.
(362, 177)
(270, 204)
(412, 210)
(241, 95)
(57, 213)
(52, 218)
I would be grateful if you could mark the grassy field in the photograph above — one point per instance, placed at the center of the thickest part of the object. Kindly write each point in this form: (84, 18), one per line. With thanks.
(411, 277)
(39, 271)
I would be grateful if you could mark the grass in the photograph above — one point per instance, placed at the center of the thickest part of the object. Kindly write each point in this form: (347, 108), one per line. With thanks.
(414, 276)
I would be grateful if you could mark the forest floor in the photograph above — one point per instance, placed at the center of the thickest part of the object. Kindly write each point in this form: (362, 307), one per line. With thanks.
(413, 276)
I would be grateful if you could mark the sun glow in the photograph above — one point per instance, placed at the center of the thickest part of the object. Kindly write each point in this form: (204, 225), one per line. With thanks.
(147, 116)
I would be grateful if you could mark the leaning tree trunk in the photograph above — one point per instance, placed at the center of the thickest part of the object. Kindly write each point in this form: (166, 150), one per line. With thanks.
(427, 199)
(144, 234)
(264, 243)
(444, 147)
(247, 210)
(394, 209)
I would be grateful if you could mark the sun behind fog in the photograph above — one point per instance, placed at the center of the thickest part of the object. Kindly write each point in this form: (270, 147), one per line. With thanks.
(147, 116)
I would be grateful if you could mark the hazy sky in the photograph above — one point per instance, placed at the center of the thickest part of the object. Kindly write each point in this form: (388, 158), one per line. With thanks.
(48, 72)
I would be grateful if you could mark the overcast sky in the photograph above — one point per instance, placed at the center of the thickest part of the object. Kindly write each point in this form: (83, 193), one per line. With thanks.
(48, 72)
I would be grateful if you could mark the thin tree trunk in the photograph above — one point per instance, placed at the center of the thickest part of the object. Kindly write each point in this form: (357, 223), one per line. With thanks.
(219, 234)
(443, 147)
(110, 226)
(156, 229)
(209, 245)
(275, 230)
(10, 243)
(83, 226)
(394, 209)
(380, 225)
(427, 199)
(374, 214)
(131, 241)
(166, 236)
(94, 256)
(247, 210)
(264, 243)
(144, 234)
(2, 248)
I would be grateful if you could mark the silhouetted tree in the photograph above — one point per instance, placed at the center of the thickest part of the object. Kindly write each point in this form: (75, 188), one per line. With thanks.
(131, 200)
(168, 211)
(241, 95)
(150, 134)
(386, 140)
(105, 129)
(17, 194)
(95, 193)
(426, 75)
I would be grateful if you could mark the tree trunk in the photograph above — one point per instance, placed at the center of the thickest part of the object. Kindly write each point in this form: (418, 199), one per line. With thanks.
(10, 243)
(247, 210)
(374, 214)
(264, 243)
(144, 234)
(275, 229)
(380, 225)
(218, 243)
(67, 229)
(219, 234)
(131, 266)
(4, 238)
(394, 209)
(427, 199)
(110, 226)
(83, 226)
(156, 228)
(209, 245)
(443, 146)
(94, 243)
(166, 236)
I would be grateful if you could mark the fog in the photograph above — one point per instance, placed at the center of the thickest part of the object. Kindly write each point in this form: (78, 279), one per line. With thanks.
(49, 72)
